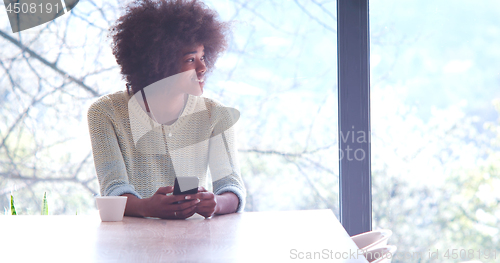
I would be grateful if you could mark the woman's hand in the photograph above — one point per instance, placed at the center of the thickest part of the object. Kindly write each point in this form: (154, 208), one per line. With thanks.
(165, 206)
(208, 203)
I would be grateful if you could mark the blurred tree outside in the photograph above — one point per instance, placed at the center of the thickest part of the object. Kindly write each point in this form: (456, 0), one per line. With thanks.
(49, 75)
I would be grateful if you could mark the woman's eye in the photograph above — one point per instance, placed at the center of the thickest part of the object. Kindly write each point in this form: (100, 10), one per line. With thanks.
(190, 60)
(203, 58)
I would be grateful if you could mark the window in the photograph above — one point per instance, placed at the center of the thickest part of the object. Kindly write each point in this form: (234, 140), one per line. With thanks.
(435, 90)
(279, 71)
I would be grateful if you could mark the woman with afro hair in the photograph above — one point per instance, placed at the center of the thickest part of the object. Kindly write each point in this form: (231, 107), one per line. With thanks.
(160, 128)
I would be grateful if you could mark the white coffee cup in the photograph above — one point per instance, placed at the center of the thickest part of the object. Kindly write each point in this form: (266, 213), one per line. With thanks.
(111, 208)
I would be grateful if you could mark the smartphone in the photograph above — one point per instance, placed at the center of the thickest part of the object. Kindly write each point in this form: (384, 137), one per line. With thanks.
(187, 185)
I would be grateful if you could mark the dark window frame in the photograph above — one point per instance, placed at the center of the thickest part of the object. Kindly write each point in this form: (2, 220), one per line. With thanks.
(353, 57)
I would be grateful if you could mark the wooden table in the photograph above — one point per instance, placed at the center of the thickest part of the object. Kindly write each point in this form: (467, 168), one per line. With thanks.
(243, 237)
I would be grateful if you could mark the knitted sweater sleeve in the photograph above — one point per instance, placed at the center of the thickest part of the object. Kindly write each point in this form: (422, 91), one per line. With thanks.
(223, 159)
(108, 158)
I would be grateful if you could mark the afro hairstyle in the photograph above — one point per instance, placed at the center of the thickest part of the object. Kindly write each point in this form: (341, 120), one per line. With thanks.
(148, 39)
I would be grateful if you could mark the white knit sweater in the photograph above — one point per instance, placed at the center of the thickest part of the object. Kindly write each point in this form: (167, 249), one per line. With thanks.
(149, 155)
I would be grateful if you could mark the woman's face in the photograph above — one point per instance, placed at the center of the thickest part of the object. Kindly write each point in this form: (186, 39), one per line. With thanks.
(194, 59)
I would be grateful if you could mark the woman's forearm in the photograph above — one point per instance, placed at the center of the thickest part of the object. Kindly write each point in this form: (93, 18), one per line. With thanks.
(226, 203)
(135, 206)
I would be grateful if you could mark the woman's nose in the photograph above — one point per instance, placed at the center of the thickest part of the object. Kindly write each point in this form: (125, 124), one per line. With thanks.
(201, 68)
